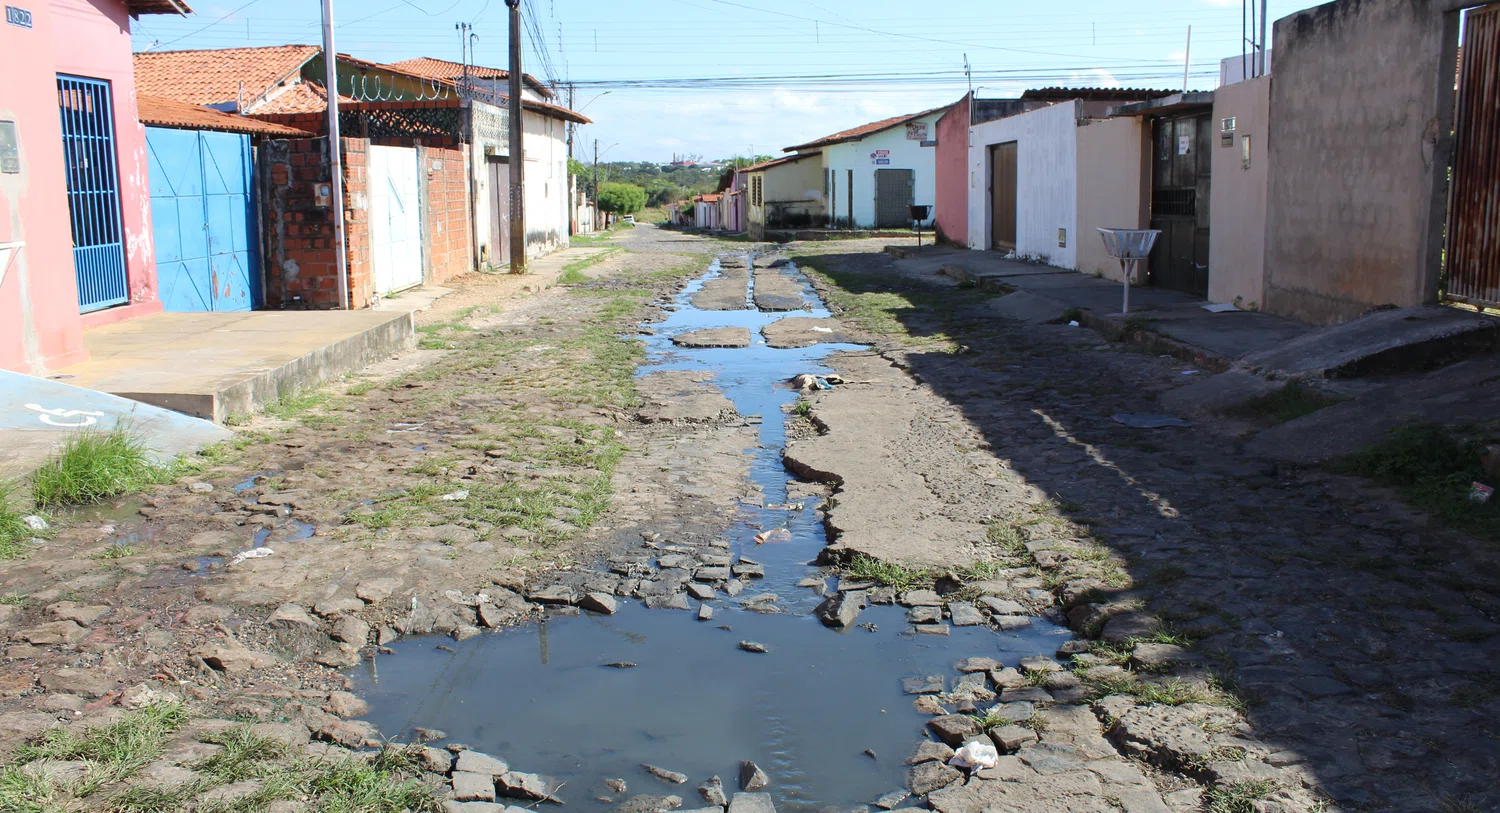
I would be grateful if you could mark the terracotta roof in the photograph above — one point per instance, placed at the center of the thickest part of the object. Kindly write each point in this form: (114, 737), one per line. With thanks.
(712, 198)
(546, 108)
(159, 112)
(303, 97)
(443, 69)
(872, 128)
(779, 161)
(139, 7)
(213, 77)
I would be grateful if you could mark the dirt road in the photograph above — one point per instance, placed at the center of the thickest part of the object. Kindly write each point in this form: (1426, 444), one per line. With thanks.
(1248, 637)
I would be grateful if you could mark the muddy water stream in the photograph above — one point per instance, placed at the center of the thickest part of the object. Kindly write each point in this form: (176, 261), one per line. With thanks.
(807, 711)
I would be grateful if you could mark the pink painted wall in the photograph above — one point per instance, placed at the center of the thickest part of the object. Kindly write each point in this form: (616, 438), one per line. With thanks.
(951, 202)
(40, 327)
(39, 324)
(92, 38)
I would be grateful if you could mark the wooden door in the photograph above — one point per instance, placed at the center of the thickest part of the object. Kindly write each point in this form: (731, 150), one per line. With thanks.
(499, 210)
(1003, 196)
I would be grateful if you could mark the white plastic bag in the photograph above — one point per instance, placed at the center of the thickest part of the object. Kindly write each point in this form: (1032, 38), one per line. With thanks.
(975, 755)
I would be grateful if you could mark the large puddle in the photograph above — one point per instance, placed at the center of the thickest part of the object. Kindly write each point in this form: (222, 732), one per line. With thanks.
(810, 712)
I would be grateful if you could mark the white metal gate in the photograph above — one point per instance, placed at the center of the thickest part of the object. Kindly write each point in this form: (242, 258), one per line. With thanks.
(395, 218)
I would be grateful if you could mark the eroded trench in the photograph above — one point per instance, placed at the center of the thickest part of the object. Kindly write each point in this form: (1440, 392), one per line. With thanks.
(822, 711)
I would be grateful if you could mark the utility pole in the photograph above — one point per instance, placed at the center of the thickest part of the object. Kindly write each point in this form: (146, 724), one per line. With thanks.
(335, 158)
(572, 198)
(517, 148)
(596, 184)
(1187, 59)
(1263, 66)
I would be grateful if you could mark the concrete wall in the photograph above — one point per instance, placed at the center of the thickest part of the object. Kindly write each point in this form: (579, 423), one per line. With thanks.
(855, 155)
(39, 325)
(1113, 191)
(794, 194)
(951, 174)
(1359, 140)
(1237, 210)
(1046, 182)
(445, 211)
(298, 254)
(545, 178)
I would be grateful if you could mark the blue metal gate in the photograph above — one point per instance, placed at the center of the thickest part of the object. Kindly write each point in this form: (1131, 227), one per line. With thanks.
(88, 129)
(203, 219)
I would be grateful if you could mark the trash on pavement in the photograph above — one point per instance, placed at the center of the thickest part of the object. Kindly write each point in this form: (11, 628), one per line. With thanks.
(253, 553)
(1147, 421)
(776, 535)
(976, 755)
(35, 522)
(1480, 493)
(456, 496)
(1073, 323)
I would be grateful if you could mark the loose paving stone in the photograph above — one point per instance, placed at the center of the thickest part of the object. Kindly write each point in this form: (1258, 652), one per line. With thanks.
(713, 792)
(927, 704)
(665, 775)
(1010, 738)
(920, 598)
(599, 603)
(555, 594)
(889, 801)
(473, 787)
(1033, 666)
(929, 751)
(85, 682)
(964, 614)
(841, 609)
(525, 786)
(752, 803)
(954, 729)
(56, 632)
(1124, 627)
(1002, 606)
(969, 665)
(84, 614)
(752, 646)
(647, 803)
(705, 612)
(476, 762)
(292, 616)
(924, 615)
(930, 776)
(927, 684)
(351, 630)
(1031, 694)
(714, 337)
(233, 658)
(932, 629)
(702, 592)
(1006, 623)
(674, 601)
(752, 777)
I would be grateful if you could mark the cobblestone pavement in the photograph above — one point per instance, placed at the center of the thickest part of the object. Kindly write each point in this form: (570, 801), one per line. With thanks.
(1278, 639)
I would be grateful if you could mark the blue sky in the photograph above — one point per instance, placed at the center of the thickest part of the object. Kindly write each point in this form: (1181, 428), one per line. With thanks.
(826, 64)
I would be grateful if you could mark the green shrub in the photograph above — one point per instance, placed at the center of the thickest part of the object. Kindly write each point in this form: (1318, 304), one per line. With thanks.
(93, 465)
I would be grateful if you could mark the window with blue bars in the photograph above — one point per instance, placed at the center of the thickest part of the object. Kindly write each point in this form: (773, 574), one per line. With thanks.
(93, 178)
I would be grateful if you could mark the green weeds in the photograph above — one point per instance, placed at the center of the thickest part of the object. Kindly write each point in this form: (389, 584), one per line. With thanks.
(291, 407)
(1286, 404)
(1239, 797)
(572, 273)
(13, 529)
(1433, 467)
(93, 465)
(888, 574)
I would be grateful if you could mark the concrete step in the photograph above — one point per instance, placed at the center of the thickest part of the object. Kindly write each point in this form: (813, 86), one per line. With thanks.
(1389, 341)
(213, 365)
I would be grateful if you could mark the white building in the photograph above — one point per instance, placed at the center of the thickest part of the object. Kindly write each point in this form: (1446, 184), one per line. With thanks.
(872, 174)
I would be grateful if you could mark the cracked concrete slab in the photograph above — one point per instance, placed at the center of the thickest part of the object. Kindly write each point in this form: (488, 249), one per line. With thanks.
(805, 331)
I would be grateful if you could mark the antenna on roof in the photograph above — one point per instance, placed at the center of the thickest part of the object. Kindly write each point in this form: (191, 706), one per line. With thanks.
(968, 75)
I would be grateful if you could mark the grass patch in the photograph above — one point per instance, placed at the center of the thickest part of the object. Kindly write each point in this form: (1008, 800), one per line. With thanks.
(118, 552)
(13, 529)
(1433, 467)
(992, 719)
(244, 756)
(885, 573)
(115, 751)
(93, 465)
(292, 407)
(572, 273)
(802, 408)
(358, 388)
(1239, 797)
(1286, 404)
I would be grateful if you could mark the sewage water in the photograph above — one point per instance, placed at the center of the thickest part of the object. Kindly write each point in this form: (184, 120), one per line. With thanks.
(807, 711)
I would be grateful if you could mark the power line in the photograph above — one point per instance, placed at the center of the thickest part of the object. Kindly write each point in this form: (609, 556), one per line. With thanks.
(212, 24)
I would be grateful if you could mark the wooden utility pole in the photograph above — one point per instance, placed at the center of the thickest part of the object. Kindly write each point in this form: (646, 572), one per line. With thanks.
(517, 147)
(597, 216)
(335, 156)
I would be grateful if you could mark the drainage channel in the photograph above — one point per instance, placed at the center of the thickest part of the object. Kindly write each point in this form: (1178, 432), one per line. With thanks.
(822, 711)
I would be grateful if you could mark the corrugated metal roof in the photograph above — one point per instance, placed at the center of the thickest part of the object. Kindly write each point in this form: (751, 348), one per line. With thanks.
(856, 133)
(1060, 94)
(159, 112)
(214, 77)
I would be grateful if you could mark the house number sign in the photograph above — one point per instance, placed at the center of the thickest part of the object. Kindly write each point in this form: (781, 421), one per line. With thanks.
(18, 16)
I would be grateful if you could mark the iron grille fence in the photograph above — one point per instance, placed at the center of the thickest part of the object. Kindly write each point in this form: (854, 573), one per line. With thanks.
(1174, 203)
(88, 131)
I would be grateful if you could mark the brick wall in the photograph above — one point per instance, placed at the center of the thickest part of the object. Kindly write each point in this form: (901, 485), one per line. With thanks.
(449, 244)
(300, 264)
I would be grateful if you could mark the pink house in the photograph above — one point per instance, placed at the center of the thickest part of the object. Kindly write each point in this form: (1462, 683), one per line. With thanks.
(951, 201)
(75, 209)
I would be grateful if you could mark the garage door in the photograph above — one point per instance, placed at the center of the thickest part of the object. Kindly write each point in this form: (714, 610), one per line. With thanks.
(395, 219)
(203, 220)
(894, 191)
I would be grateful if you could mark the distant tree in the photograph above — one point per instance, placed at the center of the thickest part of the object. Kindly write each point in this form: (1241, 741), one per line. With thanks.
(740, 161)
(577, 167)
(621, 198)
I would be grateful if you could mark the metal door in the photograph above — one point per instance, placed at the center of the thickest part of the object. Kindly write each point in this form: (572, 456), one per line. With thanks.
(203, 220)
(1003, 196)
(1473, 256)
(395, 218)
(1180, 178)
(88, 132)
(499, 210)
(894, 194)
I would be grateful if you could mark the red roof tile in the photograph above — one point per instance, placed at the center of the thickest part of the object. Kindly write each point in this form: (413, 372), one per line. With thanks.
(159, 112)
(856, 133)
(443, 69)
(214, 77)
(303, 97)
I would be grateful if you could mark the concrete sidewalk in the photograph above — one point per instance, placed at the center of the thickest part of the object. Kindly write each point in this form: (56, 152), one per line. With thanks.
(1177, 323)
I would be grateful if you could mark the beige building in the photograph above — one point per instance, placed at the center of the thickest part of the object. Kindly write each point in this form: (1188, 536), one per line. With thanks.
(785, 193)
(1237, 210)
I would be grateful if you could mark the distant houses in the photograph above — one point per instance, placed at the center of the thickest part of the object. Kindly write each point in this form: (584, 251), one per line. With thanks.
(1319, 192)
